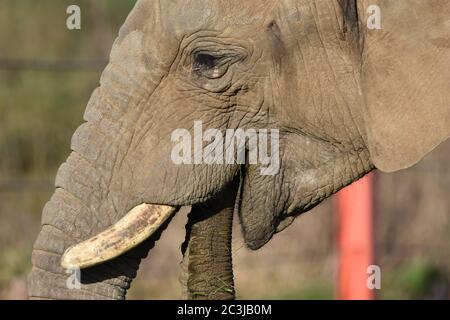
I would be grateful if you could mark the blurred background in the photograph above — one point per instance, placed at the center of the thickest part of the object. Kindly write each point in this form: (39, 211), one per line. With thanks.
(47, 74)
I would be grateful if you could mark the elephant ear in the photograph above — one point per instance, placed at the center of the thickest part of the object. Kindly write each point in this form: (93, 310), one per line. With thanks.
(405, 69)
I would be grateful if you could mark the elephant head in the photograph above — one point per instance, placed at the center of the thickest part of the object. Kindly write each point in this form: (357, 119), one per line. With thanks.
(337, 98)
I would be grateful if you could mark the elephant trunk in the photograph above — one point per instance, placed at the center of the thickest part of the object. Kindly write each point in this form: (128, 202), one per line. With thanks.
(207, 268)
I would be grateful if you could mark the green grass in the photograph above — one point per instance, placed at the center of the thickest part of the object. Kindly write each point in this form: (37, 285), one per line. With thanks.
(415, 280)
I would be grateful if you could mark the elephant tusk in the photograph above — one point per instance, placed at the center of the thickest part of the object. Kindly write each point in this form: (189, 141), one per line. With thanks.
(134, 228)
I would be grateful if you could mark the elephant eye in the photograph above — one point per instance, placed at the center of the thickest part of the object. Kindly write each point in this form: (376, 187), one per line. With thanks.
(209, 66)
(203, 61)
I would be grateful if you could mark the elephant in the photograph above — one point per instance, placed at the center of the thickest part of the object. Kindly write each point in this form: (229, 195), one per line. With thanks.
(341, 99)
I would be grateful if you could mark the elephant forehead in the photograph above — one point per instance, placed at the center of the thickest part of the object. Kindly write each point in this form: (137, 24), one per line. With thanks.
(216, 14)
(250, 17)
(181, 17)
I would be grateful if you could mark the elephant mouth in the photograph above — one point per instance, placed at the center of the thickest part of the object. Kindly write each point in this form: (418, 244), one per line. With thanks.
(134, 228)
(138, 225)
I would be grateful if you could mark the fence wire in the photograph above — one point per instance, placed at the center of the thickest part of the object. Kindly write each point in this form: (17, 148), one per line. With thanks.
(26, 185)
(52, 65)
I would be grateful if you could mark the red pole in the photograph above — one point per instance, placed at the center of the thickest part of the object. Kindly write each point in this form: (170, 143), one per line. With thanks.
(355, 240)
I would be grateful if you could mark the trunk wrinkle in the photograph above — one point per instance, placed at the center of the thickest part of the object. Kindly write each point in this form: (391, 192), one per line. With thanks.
(207, 268)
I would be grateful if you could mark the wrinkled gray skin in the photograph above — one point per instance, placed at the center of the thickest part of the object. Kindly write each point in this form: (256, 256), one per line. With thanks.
(207, 268)
(345, 99)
